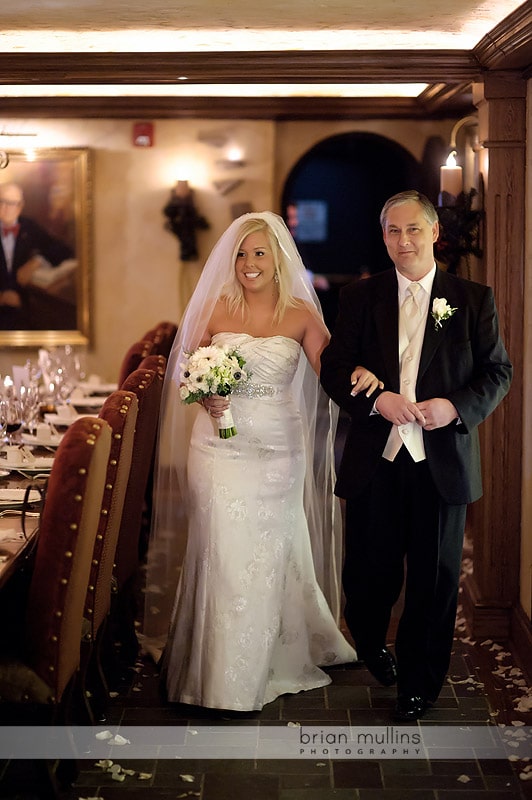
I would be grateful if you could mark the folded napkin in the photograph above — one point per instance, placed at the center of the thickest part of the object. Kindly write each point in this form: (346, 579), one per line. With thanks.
(37, 463)
(17, 495)
(17, 454)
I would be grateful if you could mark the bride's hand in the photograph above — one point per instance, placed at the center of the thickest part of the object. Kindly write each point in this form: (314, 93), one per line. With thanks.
(215, 405)
(362, 380)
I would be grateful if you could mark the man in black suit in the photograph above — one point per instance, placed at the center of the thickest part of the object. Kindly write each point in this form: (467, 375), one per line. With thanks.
(411, 462)
(24, 244)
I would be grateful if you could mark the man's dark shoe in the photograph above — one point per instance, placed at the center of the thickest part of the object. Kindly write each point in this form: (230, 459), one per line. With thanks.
(382, 666)
(408, 709)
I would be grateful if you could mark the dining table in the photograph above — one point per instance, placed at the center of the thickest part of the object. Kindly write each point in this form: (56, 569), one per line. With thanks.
(21, 493)
(15, 545)
(24, 471)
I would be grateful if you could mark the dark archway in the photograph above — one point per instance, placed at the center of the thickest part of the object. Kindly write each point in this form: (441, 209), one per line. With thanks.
(339, 188)
(332, 200)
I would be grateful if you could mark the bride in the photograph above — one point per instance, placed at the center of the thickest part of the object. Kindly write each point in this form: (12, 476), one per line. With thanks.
(257, 602)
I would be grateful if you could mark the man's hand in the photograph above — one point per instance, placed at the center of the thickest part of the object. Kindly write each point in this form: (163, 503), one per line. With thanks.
(397, 409)
(362, 380)
(438, 413)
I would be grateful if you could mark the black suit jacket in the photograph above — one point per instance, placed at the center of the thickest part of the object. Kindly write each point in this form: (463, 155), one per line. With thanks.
(464, 361)
(31, 240)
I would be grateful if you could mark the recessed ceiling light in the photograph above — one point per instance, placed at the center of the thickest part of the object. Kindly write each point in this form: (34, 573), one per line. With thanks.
(216, 90)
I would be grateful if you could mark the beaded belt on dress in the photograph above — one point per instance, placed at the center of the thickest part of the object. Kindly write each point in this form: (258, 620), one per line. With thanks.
(258, 390)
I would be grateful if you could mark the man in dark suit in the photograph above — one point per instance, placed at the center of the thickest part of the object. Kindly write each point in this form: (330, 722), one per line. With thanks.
(411, 461)
(24, 244)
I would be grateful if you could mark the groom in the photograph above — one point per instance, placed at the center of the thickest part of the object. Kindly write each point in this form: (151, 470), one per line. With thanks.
(411, 461)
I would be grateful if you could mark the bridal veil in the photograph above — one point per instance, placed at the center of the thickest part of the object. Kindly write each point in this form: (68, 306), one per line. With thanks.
(319, 418)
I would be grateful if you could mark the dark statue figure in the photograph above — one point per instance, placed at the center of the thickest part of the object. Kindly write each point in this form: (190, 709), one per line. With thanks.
(184, 220)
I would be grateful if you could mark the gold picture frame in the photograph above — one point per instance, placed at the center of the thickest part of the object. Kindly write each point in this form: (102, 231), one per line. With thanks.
(56, 186)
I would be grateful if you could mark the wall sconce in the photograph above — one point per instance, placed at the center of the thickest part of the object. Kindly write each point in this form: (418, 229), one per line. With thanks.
(233, 160)
(182, 219)
(4, 155)
(451, 180)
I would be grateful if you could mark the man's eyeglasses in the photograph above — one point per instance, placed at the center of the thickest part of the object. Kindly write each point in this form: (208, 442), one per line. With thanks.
(12, 203)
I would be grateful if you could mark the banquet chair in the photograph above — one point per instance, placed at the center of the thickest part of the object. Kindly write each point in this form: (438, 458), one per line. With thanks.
(154, 361)
(157, 363)
(147, 386)
(120, 412)
(132, 358)
(38, 672)
(162, 335)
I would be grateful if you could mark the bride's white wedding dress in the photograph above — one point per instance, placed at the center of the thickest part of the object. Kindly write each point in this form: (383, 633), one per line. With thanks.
(250, 622)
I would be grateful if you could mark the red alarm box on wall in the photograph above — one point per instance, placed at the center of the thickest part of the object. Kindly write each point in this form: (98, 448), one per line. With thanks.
(143, 134)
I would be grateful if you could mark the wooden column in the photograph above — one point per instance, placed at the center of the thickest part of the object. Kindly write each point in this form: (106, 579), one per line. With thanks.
(491, 597)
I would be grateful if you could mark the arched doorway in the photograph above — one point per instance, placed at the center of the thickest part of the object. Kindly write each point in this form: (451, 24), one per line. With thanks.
(337, 190)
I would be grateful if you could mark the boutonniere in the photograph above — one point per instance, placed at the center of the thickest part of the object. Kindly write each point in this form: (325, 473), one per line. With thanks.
(441, 310)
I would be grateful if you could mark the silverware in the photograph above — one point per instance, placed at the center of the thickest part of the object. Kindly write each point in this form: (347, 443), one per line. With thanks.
(30, 475)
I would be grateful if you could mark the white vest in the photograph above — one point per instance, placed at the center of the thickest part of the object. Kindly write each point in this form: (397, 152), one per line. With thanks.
(411, 434)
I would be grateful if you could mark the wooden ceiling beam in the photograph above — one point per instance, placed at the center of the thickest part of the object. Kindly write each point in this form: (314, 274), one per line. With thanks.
(444, 96)
(509, 45)
(289, 108)
(365, 66)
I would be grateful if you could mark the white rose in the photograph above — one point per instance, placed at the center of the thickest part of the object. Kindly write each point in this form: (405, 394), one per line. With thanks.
(440, 306)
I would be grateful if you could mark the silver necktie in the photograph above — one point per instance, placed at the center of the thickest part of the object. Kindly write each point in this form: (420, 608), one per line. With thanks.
(410, 311)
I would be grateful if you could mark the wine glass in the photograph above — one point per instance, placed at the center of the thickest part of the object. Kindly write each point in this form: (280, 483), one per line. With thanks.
(63, 370)
(14, 418)
(3, 420)
(30, 400)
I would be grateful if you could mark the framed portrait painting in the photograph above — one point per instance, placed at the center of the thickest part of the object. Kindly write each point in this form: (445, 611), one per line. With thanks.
(45, 249)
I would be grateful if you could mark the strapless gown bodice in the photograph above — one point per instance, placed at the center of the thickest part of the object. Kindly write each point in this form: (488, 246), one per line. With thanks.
(271, 361)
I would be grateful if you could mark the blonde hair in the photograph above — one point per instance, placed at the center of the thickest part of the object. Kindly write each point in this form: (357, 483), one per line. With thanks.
(233, 291)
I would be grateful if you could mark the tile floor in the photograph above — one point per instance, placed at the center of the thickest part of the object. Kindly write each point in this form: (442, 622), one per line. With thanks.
(486, 687)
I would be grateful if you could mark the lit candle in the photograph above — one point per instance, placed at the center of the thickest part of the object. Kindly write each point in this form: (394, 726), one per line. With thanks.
(450, 178)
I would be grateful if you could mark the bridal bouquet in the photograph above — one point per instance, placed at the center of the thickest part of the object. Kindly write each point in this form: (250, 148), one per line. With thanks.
(212, 370)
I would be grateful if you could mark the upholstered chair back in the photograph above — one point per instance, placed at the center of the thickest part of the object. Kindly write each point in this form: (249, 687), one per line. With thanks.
(120, 412)
(155, 362)
(65, 548)
(162, 335)
(147, 386)
(132, 358)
